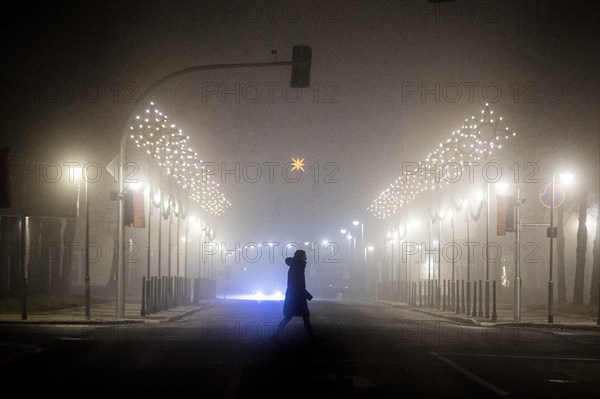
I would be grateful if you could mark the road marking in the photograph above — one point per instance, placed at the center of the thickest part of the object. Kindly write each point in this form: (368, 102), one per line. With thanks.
(576, 359)
(471, 375)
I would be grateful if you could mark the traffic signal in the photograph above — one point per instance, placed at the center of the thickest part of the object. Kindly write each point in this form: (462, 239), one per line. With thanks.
(301, 59)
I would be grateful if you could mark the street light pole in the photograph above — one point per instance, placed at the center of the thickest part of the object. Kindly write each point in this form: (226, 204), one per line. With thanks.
(160, 218)
(487, 252)
(178, 216)
(517, 310)
(550, 275)
(87, 251)
(150, 199)
(169, 246)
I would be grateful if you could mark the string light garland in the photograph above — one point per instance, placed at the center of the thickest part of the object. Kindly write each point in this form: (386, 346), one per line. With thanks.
(162, 140)
(479, 136)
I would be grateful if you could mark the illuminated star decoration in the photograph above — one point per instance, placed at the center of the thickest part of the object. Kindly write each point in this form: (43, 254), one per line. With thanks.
(166, 143)
(298, 164)
(477, 137)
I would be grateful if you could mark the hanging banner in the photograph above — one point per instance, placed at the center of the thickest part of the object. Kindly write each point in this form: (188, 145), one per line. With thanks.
(502, 202)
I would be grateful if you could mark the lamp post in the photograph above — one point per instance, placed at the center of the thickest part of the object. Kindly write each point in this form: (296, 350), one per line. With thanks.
(552, 234)
(362, 245)
(164, 210)
(517, 315)
(370, 248)
(187, 232)
(87, 251)
(79, 174)
(349, 237)
(487, 251)
(177, 213)
(441, 216)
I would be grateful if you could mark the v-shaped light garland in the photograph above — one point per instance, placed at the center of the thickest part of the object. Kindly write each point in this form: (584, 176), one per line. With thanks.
(477, 137)
(165, 142)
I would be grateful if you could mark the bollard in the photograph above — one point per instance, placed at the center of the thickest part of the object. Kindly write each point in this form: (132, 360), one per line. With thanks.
(153, 294)
(474, 298)
(487, 299)
(468, 297)
(148, 296)
(462, 293)
(457, 297)
(143, 309)
(494, 315)
(159, 281)
(480, 313)
(195, 291)
(452, 296)
(444, 296)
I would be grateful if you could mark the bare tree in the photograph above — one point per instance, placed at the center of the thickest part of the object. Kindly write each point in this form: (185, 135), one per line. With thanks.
(578, 284)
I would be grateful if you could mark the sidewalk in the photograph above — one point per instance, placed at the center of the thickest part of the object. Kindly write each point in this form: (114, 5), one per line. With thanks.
(536, 317)
(105, 313)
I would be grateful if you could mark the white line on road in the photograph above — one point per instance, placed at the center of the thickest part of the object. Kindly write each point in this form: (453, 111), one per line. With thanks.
(471, 375)
(576, 359)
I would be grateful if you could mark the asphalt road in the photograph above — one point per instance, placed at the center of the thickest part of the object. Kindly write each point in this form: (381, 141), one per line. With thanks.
(375, 350)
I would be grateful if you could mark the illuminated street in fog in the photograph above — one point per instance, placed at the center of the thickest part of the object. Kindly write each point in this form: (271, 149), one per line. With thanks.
(413, 186)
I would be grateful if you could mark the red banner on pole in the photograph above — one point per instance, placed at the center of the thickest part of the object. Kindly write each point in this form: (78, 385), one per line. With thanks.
(134, 209)
(502, 213)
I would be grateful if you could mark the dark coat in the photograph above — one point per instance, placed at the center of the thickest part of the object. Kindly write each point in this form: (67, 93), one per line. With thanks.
(296, 294)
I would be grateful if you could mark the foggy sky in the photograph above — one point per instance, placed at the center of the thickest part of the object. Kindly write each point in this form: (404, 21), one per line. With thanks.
(71, 71)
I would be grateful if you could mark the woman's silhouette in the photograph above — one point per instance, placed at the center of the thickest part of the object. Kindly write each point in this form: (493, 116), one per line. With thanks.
(296, 295)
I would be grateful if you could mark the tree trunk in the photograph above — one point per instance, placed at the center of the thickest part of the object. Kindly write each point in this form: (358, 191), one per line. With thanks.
(578, 285)
(596, 263)
(560, 254)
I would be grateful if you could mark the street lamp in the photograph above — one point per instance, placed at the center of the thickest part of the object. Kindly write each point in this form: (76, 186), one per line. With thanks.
(80, 174)
(178, 214)
(566, 177)
(172, 210)
(362, 244)
(441, 216)
(369, 248)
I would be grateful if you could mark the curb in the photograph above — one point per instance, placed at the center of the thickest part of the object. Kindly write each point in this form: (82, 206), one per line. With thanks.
(507, 324)
(457, 319)
(65, 321)
(101, 322)
(185, 314)
(562, 326)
